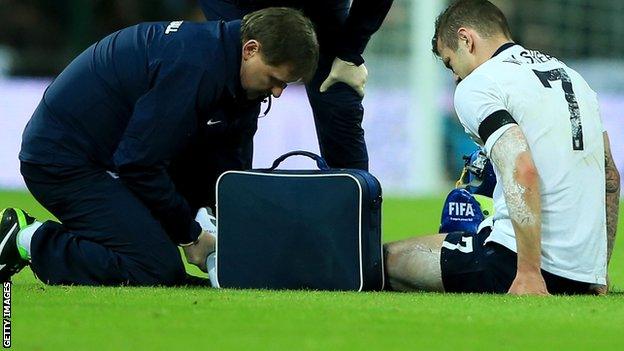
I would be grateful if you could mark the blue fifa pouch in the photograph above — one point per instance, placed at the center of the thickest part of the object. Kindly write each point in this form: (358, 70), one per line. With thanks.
(464, 212)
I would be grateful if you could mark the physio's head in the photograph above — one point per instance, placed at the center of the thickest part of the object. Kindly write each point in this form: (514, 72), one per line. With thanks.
(279, 47)
(468, 33)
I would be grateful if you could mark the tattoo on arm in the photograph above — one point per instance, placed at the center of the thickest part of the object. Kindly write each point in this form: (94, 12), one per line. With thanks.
(504, 155)
(520, 181)
(612, 200)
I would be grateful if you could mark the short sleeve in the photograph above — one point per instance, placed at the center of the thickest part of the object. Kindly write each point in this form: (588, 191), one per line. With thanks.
(480, 106)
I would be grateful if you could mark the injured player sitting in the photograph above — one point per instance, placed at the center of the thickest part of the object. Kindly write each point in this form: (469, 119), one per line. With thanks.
(557, 188)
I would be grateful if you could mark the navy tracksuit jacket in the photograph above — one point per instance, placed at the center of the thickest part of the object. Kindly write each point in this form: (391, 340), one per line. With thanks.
(101, 148)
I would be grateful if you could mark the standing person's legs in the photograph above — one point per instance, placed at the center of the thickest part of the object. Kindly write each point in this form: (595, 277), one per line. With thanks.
(338, 115)
(107, 235)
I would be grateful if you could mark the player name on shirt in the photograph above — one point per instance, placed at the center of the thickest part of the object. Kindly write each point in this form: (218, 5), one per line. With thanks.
(529, 56)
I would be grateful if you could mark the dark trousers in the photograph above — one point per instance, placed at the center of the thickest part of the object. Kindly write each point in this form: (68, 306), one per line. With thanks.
(107, 235)
(338, 112)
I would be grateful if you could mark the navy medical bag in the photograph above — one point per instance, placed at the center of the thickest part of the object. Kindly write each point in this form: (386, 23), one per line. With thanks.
(299, 229)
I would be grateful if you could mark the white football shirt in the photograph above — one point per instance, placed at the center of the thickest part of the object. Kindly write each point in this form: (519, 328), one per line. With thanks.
(558, 114)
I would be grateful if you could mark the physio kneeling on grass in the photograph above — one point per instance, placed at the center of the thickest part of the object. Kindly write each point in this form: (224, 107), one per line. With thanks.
(99, 150)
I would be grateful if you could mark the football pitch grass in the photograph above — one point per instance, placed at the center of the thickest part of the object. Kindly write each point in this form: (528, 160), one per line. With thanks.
(190, 318)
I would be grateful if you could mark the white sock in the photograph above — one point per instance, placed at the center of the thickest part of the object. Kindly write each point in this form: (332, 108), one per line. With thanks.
(208, 222)
(211, 263)
(24, 237)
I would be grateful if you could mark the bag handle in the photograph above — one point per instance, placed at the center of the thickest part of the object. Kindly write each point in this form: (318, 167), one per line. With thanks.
(320, 162)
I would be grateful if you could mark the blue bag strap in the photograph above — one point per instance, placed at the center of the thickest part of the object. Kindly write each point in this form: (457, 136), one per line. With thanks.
(320, 162)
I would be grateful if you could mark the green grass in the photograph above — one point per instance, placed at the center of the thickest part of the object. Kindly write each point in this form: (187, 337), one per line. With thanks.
(124, 318)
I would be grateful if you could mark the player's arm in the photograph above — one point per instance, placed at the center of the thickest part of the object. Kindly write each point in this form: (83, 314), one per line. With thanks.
(612, 187)
(520, 181)
(612, 207)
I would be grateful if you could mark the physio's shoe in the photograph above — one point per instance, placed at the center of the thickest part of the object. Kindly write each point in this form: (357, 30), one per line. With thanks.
(12, 220)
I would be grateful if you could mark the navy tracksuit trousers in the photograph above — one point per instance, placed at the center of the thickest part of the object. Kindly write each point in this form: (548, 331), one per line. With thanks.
(108, 236)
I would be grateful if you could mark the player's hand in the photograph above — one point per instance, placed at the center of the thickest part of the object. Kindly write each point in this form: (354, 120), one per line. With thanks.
(346, 72)
(207, 220)
(528, 284)
(197, 253)
(599, 289)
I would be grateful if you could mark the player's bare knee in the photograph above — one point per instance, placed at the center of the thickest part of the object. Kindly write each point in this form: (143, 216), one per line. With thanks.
(395, 269)
(414, 264)
(391, 258)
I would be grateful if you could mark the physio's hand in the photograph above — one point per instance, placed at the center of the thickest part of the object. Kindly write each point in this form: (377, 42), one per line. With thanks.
(528, 284)
(346, 72)
(197, 253)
